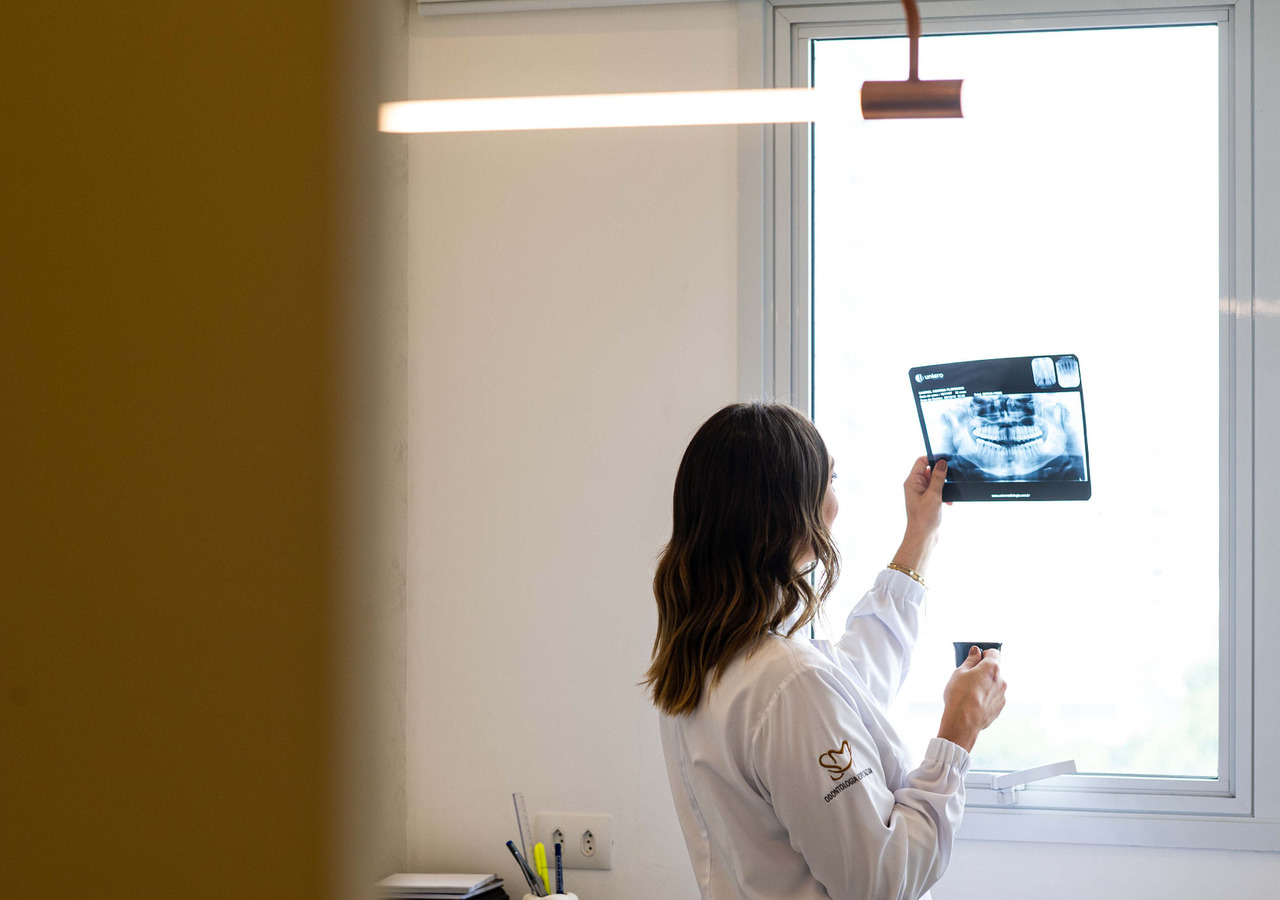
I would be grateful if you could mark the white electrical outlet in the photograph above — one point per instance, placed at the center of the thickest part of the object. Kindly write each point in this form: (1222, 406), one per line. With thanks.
(587, 839)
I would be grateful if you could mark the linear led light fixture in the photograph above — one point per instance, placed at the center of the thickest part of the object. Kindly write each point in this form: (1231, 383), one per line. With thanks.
(612, 110)
(910, 99)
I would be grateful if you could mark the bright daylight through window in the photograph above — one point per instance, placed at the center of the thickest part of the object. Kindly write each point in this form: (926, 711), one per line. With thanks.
(1061, 216)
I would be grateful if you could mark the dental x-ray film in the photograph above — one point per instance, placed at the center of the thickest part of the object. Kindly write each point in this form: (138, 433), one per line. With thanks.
(1010, 429)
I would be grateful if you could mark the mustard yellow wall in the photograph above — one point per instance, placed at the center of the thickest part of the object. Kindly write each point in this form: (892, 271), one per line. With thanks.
(167, 366)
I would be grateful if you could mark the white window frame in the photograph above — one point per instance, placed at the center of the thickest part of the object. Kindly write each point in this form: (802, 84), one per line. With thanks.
(1241, 808)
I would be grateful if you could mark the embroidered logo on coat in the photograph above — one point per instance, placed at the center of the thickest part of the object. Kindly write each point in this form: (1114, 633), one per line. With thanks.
(837, 762)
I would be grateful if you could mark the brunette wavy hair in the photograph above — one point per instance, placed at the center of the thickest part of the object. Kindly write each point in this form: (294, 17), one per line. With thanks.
(747, 504)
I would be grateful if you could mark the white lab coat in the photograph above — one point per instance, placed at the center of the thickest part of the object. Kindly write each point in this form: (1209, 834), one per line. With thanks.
(789, 781)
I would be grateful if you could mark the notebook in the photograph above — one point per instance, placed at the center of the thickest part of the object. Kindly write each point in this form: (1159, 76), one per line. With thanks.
(432, 885)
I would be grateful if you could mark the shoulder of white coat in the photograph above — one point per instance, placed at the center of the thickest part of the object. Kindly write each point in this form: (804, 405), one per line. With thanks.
(751, 679)
(780, 658)
(780, 664)
(810, 681)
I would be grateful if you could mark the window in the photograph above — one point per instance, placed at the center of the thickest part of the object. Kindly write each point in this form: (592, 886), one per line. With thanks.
(1097, 200)
(944, 240)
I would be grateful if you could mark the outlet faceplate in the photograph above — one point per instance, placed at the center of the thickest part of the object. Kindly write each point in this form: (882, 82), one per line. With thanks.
(574, 826)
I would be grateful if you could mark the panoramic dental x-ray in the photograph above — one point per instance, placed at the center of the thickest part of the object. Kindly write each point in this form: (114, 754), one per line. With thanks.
(1010, 429)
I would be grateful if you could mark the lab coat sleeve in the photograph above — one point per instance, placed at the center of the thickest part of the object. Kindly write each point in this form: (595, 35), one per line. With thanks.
(821, 770)
(880, 634)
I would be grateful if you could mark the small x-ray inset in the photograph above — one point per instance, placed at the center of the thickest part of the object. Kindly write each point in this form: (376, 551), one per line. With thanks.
(1043, 372)
(1068, 369)
(1010, 429)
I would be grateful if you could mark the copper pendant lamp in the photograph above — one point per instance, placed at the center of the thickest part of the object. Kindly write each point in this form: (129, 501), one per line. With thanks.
(913, 98)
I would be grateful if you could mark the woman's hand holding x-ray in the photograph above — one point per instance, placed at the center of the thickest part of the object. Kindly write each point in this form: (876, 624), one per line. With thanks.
(923, 492)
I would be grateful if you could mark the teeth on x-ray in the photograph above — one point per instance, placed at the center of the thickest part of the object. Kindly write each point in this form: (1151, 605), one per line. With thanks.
(1068, 372)
(1042, 371)
(1008, 436)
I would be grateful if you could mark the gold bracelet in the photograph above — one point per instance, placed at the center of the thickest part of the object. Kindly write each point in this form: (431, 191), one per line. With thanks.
(910, 572)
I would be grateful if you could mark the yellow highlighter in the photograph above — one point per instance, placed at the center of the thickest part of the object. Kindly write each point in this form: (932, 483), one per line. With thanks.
(540, 863)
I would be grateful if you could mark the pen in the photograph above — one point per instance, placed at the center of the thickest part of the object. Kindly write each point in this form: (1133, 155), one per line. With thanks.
(540, 861)
(525, 870)
(559, 870)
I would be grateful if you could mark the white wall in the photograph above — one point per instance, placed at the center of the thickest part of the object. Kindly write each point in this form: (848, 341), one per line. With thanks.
(572, 319)
(982, 870)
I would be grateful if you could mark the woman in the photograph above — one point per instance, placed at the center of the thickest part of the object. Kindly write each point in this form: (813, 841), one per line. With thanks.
(788, 779)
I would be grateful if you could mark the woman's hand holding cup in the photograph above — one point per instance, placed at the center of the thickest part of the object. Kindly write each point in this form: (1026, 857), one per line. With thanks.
(973, 698)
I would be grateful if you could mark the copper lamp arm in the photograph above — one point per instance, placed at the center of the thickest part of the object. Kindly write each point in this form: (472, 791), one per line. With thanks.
(913, 37)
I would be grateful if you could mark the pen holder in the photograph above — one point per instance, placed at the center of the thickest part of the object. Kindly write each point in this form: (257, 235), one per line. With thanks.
(565, 896)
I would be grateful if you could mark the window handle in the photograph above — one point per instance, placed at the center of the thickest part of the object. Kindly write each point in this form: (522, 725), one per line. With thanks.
(1006, 785)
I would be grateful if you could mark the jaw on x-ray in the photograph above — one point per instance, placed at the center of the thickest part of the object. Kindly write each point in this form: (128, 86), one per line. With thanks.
(1011, 437)
(1016, 425)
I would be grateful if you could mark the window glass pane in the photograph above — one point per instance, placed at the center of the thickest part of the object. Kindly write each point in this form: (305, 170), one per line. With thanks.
(1074, 210)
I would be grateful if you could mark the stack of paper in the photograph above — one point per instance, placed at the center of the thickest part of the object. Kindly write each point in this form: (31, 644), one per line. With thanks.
(424, 886)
